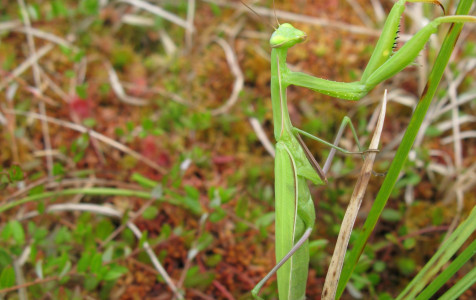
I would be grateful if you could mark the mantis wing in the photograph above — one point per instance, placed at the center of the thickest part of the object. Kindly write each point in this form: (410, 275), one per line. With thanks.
(292, 276)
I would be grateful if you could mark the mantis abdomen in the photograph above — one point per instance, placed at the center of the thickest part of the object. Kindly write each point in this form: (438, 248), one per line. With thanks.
(292, 196)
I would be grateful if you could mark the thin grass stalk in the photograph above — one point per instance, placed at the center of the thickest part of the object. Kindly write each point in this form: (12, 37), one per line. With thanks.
(335, 267)
(405, 146)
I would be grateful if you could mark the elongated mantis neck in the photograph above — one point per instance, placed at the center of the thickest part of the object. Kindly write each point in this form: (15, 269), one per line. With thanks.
(279, 70)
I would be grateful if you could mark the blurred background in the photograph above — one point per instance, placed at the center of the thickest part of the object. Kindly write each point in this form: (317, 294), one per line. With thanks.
(137, 146)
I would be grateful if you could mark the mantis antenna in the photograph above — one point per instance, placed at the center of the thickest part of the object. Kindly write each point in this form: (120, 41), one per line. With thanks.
(247, 6)
(275, 16)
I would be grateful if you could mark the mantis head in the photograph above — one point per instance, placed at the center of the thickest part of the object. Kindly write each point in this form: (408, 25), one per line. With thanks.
(286, 36)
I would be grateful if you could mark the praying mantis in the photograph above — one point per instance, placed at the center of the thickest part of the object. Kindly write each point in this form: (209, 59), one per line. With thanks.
(294, 164)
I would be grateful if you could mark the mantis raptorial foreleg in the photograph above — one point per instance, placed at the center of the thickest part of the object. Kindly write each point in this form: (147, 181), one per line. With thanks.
(294, 164)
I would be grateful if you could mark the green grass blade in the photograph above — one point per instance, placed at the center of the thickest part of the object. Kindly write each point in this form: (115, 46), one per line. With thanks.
(99, 191)
(439, 281)
(465, 283)
(441, 257)
(404, 148)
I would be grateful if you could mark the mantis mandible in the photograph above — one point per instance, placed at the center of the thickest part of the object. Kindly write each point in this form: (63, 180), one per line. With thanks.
(294, 164)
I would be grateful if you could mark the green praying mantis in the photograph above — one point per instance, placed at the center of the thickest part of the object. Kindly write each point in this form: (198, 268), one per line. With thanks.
(294, 164)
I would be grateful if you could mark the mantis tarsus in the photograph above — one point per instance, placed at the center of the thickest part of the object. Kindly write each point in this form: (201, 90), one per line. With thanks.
(295, 215)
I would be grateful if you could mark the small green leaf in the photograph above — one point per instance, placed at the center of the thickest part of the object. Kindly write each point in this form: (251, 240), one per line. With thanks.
(242, 207)
(104, 88)
(36, 190)
(409, 243)
(78, 55)
(317, 245)
(392, 238)
(410, 179)
(89, 7)
(58, 169)
(82, 91)
(265, 220)
(406, 266)
(39, 269)
(65, 269)
(359, 281)
(90, 282)
(7, 278)
(6, 232)
(104, 228)
(41, 207)
(391, 215)
(96, 263)
(17, 232)
(16, 174)
(385, 296)
(58, 9)
(63, 236)
(373, 278)
(433, 131)
(89, 122)
(437, 216)
(165, 232)
(198, 279)
(5, 258)
(147, 124)
(115, 272)
(216, 10)
(4, 181)
(34, 11)
(69, 74)
(108, 254)
(84, 261)
(191, 200)
(144, 181)
(143, 238)
(217, 215)
(204, 241)
(379, 266)
(150, 213)
(212, 261)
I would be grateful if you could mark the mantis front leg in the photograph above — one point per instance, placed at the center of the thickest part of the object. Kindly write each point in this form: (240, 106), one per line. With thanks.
(383, 64)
